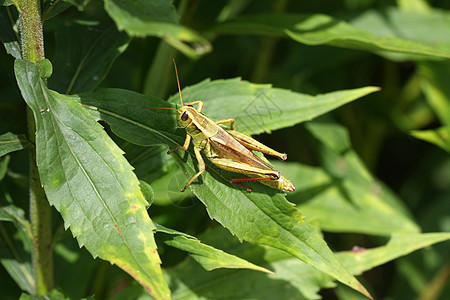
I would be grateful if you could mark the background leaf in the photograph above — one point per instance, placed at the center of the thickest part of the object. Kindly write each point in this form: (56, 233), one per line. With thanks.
(10, 142)
(344, 197)
(156, 18)
(440, 136)
(208, 257)
(84, 55)
(15, 248)
(8, 37)
(408, 25)
(322, 29)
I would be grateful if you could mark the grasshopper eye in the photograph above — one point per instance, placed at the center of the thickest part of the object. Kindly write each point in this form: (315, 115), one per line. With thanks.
(184, 116)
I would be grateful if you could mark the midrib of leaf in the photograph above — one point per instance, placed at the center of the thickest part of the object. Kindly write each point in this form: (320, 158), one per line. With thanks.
(156, 132)
(10, 141)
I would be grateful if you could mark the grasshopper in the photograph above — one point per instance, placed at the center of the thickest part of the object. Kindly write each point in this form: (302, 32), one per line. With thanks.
(228, 149)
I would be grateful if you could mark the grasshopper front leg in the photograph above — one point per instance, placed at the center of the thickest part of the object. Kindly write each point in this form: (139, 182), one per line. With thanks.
(201, 166)
(185, 146)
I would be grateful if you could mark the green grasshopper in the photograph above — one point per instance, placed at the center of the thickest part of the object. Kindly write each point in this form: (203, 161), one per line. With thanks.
(228, 149)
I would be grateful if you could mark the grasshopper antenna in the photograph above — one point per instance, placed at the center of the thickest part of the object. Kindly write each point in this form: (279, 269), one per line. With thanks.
(178, 81)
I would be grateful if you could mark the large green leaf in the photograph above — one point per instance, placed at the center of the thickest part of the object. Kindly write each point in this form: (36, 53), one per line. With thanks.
(321, 29)
(263, 216)
(84, 55)
(10, 142)
(87, 179)
(156, 18)
(261, 108)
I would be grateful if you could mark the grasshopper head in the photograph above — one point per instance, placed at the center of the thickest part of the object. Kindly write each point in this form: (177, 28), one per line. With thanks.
(186, 114)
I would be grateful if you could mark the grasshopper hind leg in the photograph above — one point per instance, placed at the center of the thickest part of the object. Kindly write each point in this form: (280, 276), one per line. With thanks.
(237, 181)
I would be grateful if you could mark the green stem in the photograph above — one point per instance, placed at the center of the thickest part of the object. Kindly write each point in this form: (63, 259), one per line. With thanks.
(42, 253)
(31, 30)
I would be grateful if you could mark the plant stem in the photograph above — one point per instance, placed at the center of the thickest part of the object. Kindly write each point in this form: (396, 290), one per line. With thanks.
(31, 30)
(42, 253)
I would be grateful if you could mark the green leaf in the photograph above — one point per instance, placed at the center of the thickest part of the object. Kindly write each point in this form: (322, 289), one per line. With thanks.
(259, 108)
(156, 18)
(263, 216)
(90, 183)
(51, 8)
(439, 137)
(4, 162)
(344, 197)
(153, 165)
(85, 53)
(10, 142)
(147, 191)
(52, 295)
(126, 112)
(321, 29)
(434, 76)
(208, 257)
(414, 5)
(8, 37)
(15, 248)
(45, 68)
(410, 25)
(360, 260)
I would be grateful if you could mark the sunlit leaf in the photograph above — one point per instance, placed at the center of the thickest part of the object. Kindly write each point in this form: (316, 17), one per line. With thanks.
(259, 108)
(10, 142)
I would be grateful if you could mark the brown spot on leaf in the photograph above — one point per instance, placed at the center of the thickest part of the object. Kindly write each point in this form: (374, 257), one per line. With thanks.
(118, 230)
